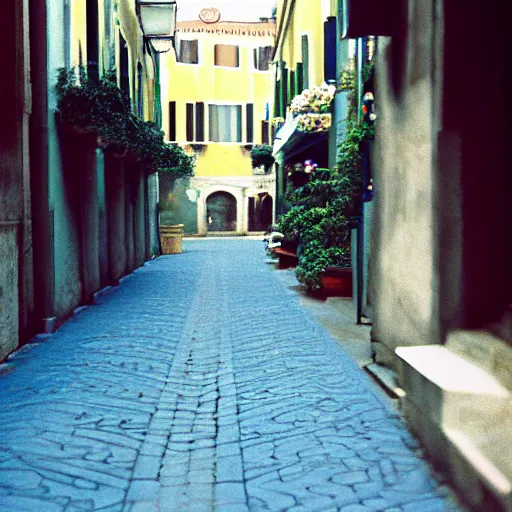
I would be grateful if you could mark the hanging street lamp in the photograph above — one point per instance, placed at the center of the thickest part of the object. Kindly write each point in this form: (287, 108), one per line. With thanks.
(158, 21)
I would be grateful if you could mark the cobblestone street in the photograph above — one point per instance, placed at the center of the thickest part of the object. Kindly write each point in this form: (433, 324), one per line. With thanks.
(200, 384)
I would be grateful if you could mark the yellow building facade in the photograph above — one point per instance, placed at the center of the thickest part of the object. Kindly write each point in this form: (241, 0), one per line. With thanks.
(216, 95)
(304, 57)
(300, 41)
(120, 46)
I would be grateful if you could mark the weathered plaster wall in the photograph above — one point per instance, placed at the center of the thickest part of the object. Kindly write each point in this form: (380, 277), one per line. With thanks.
(62, 185)
(8, 289)
(115, 205)
(16, 274)
(404, 281)
(177, 206)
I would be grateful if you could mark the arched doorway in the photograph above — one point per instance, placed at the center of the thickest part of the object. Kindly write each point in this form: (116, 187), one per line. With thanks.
(260, 212)
(267, 205)
(221, 212)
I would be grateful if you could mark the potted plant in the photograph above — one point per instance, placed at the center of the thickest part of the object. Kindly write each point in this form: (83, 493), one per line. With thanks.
(322, 210)
(261, 156)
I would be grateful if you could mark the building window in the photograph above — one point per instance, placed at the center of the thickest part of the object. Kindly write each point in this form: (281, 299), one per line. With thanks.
(227, 55)
(92, 38)
(125, 66)
(225, 123)
(330, 38)
(262, 58)
(188, 51)
(264, 132)
(140, 91)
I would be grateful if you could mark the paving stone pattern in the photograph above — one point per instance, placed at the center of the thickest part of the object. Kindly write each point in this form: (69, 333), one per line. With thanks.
(200, 384)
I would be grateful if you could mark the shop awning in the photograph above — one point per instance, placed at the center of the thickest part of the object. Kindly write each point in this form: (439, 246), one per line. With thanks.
(291, 143)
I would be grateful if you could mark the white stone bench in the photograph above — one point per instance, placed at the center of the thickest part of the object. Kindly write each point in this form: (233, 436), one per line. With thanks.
(460, 405)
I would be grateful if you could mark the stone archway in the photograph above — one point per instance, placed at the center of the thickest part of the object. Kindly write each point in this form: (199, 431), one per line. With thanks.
(221, 212)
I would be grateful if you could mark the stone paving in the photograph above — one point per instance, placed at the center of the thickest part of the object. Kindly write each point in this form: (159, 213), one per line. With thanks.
(200, 384)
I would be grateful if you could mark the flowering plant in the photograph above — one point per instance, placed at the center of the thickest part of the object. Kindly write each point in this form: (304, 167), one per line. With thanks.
(309, 166)
(317, 99)
(347, 79)
(313, 122)
(297, 167)
(277, 121)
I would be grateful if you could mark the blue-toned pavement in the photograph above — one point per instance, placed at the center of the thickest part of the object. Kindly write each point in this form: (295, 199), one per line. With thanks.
(200, 384)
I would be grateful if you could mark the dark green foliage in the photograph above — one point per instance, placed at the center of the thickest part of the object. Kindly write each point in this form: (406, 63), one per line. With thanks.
(100, 106)
(318, 218)
(367, 71)
(261, 154)
(349, 160)
(323, 211)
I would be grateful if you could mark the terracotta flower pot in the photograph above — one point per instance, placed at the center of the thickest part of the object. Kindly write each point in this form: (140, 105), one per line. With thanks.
(171, 239)
(337, 282)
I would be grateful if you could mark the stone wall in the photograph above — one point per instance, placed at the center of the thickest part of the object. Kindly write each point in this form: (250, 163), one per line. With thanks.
(404, 281)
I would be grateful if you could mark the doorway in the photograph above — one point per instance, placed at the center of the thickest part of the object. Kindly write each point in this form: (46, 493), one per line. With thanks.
(260, 212)
(221, 212)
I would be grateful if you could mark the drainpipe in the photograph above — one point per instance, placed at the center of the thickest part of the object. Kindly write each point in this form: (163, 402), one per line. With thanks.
(42, 235)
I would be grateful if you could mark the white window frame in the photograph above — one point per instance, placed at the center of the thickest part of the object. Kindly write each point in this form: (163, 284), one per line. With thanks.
(243, 134)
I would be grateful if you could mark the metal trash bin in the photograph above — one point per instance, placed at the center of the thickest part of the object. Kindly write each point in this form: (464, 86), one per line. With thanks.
(171, 239)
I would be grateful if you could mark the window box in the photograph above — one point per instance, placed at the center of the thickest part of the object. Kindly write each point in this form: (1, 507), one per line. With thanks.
(313, 122)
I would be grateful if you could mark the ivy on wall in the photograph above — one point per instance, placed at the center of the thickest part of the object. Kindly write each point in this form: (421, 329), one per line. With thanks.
(99, 106)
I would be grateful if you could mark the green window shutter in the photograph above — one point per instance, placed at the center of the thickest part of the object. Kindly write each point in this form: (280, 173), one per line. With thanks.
(299, 77)
(250, 122)
(200, 122)
(172, 120)
(190, 122)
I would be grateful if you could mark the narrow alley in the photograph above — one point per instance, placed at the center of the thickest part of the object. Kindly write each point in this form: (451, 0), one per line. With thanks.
(200, 384)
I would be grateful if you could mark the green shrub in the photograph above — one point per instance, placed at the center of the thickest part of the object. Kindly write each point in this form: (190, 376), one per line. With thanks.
(323, 211)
